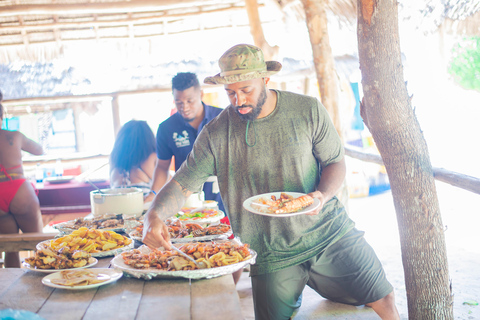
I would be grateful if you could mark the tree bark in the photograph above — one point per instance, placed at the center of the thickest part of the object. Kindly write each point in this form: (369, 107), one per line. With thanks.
(256, 30)
(323, 58)
(387, 112)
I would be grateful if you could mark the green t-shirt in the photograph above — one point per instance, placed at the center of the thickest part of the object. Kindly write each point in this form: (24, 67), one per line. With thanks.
(287, 150)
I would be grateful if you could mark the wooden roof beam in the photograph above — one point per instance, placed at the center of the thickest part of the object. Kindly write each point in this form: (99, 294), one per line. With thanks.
(120, 22)
(164, 32)
(102, 7)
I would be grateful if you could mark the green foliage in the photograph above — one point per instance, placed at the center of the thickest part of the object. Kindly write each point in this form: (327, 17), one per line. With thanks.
(465, 65)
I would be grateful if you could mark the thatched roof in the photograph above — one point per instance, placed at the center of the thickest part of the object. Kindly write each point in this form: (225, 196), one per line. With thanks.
(459, 17)
(47, 80)
(36, 36)
(37, 30)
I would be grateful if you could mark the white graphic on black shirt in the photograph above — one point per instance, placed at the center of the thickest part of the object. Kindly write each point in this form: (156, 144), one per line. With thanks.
(181, 139)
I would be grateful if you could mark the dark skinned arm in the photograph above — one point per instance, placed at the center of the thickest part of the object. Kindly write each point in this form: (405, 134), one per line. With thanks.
(331, 180)
(166, 203)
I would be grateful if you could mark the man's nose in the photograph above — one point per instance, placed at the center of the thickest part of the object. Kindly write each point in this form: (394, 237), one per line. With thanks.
(240, 99)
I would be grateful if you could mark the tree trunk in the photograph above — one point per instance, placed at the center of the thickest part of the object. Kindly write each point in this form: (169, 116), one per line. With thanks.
(387, 112)
(257, 31)
(323, 58)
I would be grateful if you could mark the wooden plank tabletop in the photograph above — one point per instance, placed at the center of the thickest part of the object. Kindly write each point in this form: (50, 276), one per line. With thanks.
(24, 241)
(128, 298)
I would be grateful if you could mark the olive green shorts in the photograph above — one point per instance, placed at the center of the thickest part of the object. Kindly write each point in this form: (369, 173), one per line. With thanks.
(348, 271)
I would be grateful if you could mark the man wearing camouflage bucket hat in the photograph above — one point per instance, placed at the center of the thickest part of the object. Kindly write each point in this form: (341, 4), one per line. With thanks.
(242, 63)
(270, 140)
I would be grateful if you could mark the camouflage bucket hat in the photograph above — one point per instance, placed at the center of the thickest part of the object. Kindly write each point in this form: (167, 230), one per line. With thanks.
(243, 62)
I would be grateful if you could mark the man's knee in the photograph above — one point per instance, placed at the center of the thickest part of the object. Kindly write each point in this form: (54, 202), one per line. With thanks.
(389, 299)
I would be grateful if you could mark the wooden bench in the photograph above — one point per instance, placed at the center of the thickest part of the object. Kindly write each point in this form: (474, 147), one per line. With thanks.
(23, 242)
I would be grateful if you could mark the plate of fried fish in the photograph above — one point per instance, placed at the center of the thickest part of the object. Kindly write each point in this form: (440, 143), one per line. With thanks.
(281, 204)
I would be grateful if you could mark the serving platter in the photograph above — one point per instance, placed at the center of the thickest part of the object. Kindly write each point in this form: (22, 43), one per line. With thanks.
(68, 227)
(151, 273)
(110, 275)
(251, 206)
(100, 254)
(135, 236)
(62, 227)
(223, 236)
(91, 262)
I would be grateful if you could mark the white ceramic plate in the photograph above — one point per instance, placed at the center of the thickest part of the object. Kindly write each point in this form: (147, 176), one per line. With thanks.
(100, 254)
(91, 263)
(57, 180)
(250, 206)
(111, 275)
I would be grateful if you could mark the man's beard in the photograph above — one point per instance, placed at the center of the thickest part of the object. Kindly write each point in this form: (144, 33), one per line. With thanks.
(255, 109)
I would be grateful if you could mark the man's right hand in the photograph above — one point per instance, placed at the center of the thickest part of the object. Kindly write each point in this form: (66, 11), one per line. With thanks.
(155, 231)
(165, 204)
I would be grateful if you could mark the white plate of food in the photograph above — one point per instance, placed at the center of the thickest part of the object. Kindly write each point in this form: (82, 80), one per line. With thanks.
(91, 262)
(200, 215)
(81, 279)
(266, 204)
(148, 272)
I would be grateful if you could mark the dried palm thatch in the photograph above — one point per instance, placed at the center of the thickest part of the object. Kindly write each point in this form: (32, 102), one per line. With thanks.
(457, 17)
(36, 30)
(39, 31)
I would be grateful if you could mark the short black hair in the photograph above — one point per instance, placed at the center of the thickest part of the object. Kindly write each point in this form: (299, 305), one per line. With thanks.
(185, 80)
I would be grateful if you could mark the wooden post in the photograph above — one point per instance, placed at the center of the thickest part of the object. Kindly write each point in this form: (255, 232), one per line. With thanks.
(79, 141)
(323, 58)
(116, 114)
(257, 30)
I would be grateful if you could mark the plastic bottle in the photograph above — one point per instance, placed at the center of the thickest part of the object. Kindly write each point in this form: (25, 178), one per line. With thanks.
(58, 168)
(38, 173)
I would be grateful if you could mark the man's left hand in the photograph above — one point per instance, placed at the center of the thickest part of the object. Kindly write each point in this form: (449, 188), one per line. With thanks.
(319, 196)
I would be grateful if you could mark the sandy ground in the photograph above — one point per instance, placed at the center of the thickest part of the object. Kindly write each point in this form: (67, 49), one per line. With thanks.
(376, 216)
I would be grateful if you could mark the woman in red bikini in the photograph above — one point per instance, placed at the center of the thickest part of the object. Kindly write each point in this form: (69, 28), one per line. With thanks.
(19, 206)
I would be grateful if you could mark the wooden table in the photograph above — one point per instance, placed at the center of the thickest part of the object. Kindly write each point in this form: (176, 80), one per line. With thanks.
(127, 298)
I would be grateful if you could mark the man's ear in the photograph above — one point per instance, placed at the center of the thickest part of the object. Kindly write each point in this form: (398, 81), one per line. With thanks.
(201, 94)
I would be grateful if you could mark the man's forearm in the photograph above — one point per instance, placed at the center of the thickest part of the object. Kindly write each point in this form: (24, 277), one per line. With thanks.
(332, 179)
(169, 200)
